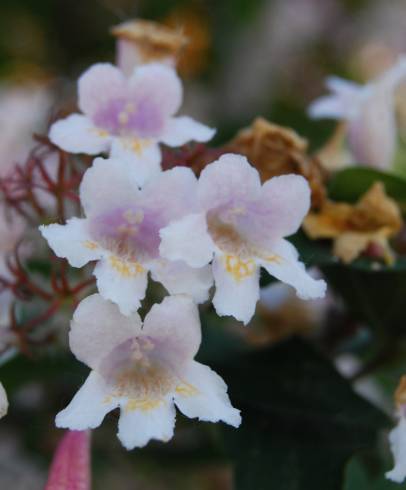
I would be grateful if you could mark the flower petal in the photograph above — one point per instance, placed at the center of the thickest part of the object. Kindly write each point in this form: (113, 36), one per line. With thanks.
(187, 240)
(97, 328)
(204, 395)
(158, 83)
(143, 157)
(329, 107)
(285, 202)
(137, 427)
(88, 407)
(231, 177)
(181, 130)
(99, 84)
(397, 439)
(3, 401)
(179, 278)
(77, 134)
(171, 194)
(283, 263)
(123, 282)
(237, 287)
(72, 241)
(176, 321)
(107, 184)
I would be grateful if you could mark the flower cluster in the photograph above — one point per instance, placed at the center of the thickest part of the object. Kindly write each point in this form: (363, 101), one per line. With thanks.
(185, 232)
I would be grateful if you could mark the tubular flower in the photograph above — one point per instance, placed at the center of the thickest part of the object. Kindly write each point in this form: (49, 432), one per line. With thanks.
(243, 225)
(128, 117)
(3, 401)
(144, 370)
(121, 232)
(369, 111)
(397, 436)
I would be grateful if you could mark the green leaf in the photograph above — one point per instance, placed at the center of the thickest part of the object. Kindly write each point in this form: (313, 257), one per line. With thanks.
(351, 183)
(301, 420)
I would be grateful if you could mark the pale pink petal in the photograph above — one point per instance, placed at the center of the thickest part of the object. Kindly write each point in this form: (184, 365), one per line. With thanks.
(329, 107)
(89, 406)
(107, 184)
(343, 87)
(98, 85)
(397, 439)
(179, 278)
(77, 134)
(123, 282)
(181, 130)
(237, 287)
(187, 240)
(97, 328)
(158, 84)
(203, 394)
(142, 156)
(285, 201)
(176, 321)
(283, 263)
(3, 401)
(70, 469)
(137, 427)
(230, 178)
(72, 241)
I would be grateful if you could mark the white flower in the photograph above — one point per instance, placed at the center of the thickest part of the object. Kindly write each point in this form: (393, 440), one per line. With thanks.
(121, 231)
(128, 116)
(144, 370)
(243, 224)
(369, 111)
(397, 437)
(3, 401)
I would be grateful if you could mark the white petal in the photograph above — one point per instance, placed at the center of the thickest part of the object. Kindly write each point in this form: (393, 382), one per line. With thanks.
(171, 194)
(137, 427)
(343, 87)
(329, 107)
(158, 83)
(122, 282)
(98, 327)
(176, 321)
(143, 157)
(397, 439)
(108, 183)
(237, 287)
(88, 407)
(203, 394)
(72, 242)
(283, 263)
(99, 84)
(181, 130)
(230, 178)
(77, 134)
(3, 401)
(285, 202)
(187, 240)
(179, 278)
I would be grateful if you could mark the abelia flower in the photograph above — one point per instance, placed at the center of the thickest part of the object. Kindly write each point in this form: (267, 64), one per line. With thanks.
(143, 369)
(243, 225)
(369, 111)
(3, 401)
(128, 117)
(397, 436)
(121, 232)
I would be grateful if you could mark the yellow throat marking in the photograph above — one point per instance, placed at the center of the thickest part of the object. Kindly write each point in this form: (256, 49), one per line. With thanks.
(240, 269)
(126, 268)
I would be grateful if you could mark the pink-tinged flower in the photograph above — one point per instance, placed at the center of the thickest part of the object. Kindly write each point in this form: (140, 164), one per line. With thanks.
(128, 117)
(242, 224)
(397, 436)
(121, 232)
(369, 111)
(143, 369)
(70, 469)
(3, 401)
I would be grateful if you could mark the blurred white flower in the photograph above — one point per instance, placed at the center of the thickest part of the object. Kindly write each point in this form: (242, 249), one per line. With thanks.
(397, 437)
(370, 112)
(129, 117)
(143, 369)
(243, 225)
(3, 401)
